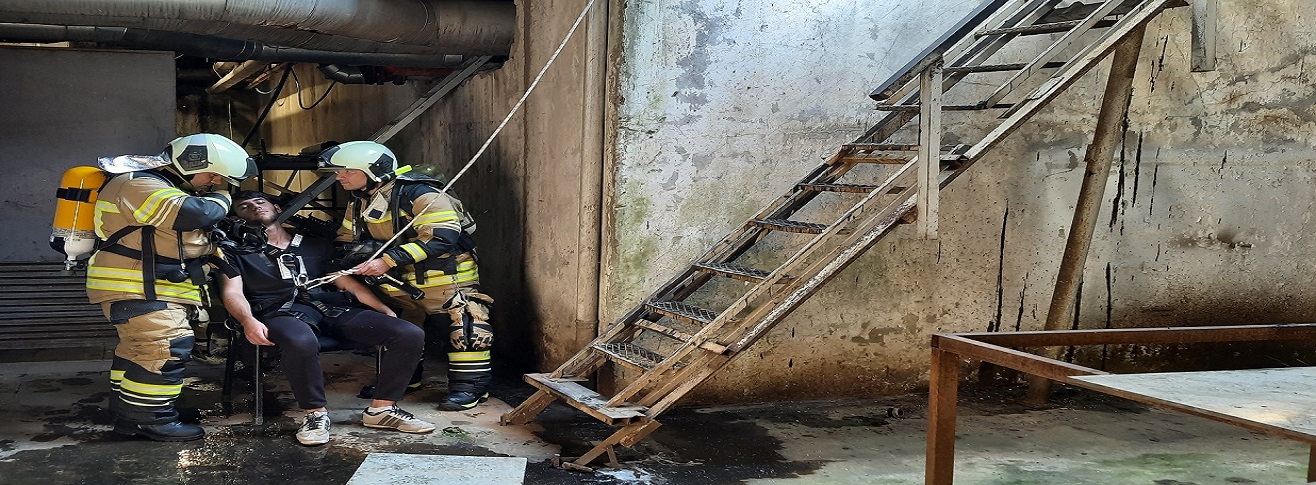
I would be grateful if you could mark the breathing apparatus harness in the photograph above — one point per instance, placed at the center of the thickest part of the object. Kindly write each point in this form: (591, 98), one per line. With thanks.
(154, 265)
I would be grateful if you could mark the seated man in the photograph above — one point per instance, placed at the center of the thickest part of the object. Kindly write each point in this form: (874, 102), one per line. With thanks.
(264, 290)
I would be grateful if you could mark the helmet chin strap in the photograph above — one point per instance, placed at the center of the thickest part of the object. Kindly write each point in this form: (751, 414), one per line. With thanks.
(386, 178)
(170, 172)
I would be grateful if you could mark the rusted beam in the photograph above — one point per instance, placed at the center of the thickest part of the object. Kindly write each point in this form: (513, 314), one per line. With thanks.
(1159, 335)
(1014, 359)
(943, 389)
(1105, 142)
(1311, 464)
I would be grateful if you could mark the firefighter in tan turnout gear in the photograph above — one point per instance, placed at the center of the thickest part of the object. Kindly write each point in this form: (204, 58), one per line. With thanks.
(154, 216)
(430, 271)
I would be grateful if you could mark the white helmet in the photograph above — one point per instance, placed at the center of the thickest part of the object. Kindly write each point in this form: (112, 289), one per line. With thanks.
(205, 152)
(377, 161)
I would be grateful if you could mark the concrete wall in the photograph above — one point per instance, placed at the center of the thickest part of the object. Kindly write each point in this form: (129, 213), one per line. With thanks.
(723, 105)
(63, 108)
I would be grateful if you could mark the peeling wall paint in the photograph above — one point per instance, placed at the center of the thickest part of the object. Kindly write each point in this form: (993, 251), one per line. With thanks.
(1205, 220)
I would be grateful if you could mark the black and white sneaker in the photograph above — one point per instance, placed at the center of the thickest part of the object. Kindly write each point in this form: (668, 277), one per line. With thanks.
(315, 429)
(394, 417)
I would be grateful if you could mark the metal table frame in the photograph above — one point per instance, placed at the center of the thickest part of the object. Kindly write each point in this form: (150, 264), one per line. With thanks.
(1002, 348)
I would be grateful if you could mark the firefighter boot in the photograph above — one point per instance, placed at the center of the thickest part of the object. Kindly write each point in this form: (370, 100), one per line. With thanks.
(170, 431)
(469, 377)
(462, 400)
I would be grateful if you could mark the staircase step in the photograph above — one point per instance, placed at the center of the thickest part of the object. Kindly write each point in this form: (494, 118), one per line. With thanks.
(1000, 67)
(882, 147)
(848, 188)
(1035, 29)
(886, 158)
(734, 271)
(681, 311)
(678, 335)
(945, 107)
(569, 390)
(631, 355)
(790, 226)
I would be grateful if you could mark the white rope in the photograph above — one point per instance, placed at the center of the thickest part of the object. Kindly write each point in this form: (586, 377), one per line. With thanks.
(521, 101)
(517, 107)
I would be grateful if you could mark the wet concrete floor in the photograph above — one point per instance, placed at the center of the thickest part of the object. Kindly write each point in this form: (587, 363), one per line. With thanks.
(55, 429)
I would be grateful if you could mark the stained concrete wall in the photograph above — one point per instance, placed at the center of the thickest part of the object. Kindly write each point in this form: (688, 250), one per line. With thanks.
(724, 105)
(63, 108)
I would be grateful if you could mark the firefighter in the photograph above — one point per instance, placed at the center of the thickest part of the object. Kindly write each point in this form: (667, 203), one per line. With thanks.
(153, 216)
(434, 259)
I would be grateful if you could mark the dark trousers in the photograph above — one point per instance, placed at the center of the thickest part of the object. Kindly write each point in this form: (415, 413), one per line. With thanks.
(299, 347)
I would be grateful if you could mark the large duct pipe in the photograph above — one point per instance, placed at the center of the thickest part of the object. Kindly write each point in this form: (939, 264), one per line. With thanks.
(463, 27)
(215, 47)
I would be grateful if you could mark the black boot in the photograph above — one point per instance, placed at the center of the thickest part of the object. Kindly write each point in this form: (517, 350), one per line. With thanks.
(462, 400)
(171, 431)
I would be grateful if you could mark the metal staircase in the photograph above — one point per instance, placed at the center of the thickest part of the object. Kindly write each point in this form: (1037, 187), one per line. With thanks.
(669, 344)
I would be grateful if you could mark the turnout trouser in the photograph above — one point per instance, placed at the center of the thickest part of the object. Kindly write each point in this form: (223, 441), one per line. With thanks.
(155, 343)
(462, 315)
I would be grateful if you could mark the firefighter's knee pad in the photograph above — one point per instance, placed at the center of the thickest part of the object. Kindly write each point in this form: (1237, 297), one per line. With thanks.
(470, 329)
(180, 353)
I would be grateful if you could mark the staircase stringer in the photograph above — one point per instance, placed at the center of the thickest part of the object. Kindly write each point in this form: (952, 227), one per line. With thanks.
(1067, 40)
(686, 282)
(979, 51)
(768, 316)
(1064, 78)
(770, 286)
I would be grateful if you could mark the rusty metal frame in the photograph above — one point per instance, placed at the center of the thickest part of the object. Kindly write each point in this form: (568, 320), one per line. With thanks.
(1002, 349)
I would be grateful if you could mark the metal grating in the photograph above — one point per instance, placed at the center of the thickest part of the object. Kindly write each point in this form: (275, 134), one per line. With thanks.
(791, 226)
(681, 310)
(634, 354)
(732, 270)
(851, 188)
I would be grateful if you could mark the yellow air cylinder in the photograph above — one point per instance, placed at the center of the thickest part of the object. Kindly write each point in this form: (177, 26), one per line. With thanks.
(73, 232)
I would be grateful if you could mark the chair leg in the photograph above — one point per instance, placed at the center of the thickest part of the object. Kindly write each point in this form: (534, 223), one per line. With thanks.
(230, 361)
(258, 396)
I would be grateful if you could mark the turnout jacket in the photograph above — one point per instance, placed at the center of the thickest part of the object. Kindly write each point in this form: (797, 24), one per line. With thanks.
(431, 253)
(177, 222)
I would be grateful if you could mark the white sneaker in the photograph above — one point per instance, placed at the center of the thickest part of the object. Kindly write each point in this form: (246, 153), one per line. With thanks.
(394, 417)
(315, 429)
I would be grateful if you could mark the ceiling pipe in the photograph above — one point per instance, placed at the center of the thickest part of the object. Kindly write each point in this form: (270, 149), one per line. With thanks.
(214, 47)
(429, 26)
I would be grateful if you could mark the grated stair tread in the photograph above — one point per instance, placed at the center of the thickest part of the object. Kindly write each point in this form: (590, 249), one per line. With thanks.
(735, 271)
(791, 226)
(633, 355)
(690, 313)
